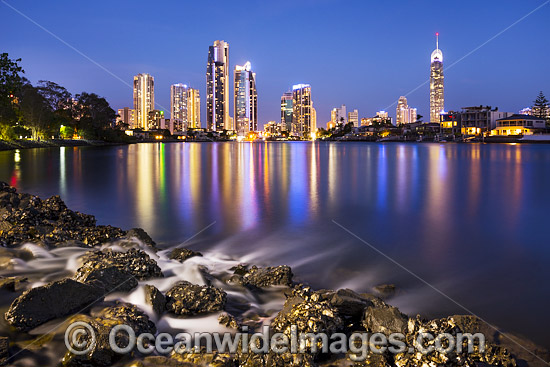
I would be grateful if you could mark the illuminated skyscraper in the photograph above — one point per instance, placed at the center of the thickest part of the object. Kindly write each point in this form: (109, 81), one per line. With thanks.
(286, 111)
(217, 87)
(144, 99)
(193, 109)
(338, 115)
(178, 107)
(246, 100)
(404, 114)
(302, 114)
(437, 99)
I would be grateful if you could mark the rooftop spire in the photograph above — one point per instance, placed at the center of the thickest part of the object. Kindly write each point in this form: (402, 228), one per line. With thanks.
(437, 41)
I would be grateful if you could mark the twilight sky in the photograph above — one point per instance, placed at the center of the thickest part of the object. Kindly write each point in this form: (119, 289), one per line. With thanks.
(363, 53)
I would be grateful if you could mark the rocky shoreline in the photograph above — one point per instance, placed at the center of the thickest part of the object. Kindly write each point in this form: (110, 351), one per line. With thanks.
(112, 265)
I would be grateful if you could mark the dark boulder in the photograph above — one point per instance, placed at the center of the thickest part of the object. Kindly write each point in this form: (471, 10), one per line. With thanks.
(186, 298)
(142, 236)
(12, 284)
(182, 254)
(385, 320)
(155, 299)
(134, 262)
(386, 291)
(53, 300)
(102, 322)
(263, 277)
(4, 350)
(111, 279)
(347, 302)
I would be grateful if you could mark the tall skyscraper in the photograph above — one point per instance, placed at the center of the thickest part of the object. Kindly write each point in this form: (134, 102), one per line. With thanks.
(403, 113)
(302, 114)
(246, 100)
(353, 117)
(338, 115)
(286, 111)
(437, 99)
(144, 99)
(178, 106)
(217, 87)
(193, 109)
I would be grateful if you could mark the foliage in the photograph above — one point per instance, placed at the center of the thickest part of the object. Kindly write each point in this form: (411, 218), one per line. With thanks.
(10, 83)
(540, 107)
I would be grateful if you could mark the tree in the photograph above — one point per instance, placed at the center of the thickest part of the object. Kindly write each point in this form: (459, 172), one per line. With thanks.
(540, 108)
(419, 118)
(11, 82)
(36, 113)
(94, 115)
(60, 102)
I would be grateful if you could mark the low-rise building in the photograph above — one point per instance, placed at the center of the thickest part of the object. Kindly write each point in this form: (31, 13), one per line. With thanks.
(519, 125)
(480, 119)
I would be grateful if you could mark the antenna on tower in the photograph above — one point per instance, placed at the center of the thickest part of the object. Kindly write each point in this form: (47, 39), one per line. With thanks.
(437, 40)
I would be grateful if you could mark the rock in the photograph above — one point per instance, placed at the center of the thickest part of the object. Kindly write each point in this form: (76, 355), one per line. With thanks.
(182, 254)
(185, 299)
(4, 350)
(102, 323)
(228, 321)
(205, 359)
(386, 290)
(347, 302)
(53, 300)
(12, 284)
(155, 298)
(386, 320)
(27, 218)
(263, 277)
(158, 361)
(142, 236)
(134, 262)
(110, 279)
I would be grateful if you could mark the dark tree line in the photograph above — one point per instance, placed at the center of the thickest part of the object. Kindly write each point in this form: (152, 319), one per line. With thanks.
(48, 110)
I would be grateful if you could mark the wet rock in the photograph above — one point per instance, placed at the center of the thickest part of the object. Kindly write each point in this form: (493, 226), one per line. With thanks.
(102, 322)
(205, 359)
(12, 284)
(158, 361)
(347, 302)
(155, 298)
(263, 277)
(27, 218)
(228, 320)
(110, 279)
(134, 262)
(4, 350)
(8, 256)
(186, 298)
(182, 254)
(386, 320)
(142, 236)
(53, 300)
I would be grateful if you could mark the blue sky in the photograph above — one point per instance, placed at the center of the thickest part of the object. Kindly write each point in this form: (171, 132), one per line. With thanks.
(364, 54)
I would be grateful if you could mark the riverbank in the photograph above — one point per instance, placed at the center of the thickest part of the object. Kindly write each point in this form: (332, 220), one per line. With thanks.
(57, 267)
(55, 143)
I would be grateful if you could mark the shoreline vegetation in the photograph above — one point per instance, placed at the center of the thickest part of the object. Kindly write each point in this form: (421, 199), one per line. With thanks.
(110, 263)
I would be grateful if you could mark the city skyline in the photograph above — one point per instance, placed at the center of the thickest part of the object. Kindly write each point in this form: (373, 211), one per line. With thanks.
(475, 80)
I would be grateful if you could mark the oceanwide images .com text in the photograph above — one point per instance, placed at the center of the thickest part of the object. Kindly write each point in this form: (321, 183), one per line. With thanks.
(81, 338)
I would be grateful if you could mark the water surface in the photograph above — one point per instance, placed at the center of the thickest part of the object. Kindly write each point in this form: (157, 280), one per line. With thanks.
(472, 220)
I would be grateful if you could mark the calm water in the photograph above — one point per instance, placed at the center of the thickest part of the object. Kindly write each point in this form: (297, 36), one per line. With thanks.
(473, 220)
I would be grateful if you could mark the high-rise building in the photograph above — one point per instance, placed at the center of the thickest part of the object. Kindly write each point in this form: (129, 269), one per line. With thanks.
(338, 115)
(404, 114)
(437, 100)
(193, 109)
(302, 114)
(353, 117)
(126, 116)
(217, 87)
(286, 111)
(144, 99)
(246, 100)
(178, 107)
(155, 120)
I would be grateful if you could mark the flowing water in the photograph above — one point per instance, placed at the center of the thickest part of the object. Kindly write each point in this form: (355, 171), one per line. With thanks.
(470, 220)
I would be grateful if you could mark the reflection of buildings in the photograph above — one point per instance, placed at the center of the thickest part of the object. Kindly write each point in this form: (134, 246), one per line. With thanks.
(404, 114)
(286, 110)
(437, 99)
(302, 111)
(144, 99)
(217, 88)
(246, 100)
